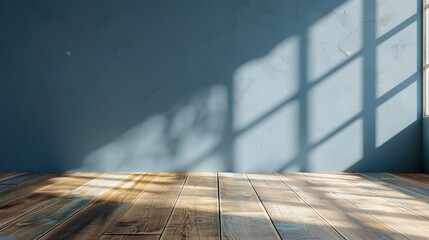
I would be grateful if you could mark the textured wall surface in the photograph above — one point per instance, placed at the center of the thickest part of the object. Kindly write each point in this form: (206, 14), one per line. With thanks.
(426, 144)
(228, 85)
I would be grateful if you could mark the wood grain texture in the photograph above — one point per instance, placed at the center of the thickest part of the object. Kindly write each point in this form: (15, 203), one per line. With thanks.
(347, 219)
(196, 214)
(292, 217)
(418, 177)
(410, 200)
(129, 237)
(25, 200)
(38, 222)
(410, 185)
(5, 176)
(47, 185)
(381, 209)
(377, 175)
(14, 182)
(242, 214)
(150, 212)
(215, 206)
(94, 220)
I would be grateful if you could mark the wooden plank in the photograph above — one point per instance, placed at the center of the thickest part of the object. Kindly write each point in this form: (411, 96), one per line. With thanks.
(94, 220)
(415, 182)
(69, 182)
(129, 237)
(402, 197)
(410, 185)
(242, 214)
(5, 176)
(6, 187)
(420, 178)
(35, 224)
(48, 185)
(196, 213)
(28, 190)
(150, 212)
(292, 217)
(22, 180)
(347, 219)
(379, 175)
(18, 206)
(385, 211)
(421, 175)
(357, 206)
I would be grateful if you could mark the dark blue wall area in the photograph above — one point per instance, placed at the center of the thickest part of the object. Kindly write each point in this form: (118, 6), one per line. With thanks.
(426, 144)
(321, 85)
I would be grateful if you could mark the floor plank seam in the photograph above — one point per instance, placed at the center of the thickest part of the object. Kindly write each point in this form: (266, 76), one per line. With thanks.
(412, 180)
(11, 176)
(387, 199)
(253, 206)
(403, 188)
(84, 206)
(50, 202)
(311, 207)
(370, 215)
(263, 206)
(174, 206)
(218, 206)
(29, 213)
(25, 184)
(100, 235)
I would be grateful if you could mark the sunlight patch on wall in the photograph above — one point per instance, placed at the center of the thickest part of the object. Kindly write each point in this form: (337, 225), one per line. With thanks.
(335, 100)
(396, 59)
(396, 114)
(184, 137)
(209, 163)
(270, 144)
(326, 49)
(263, 84)
(340, 151)
(391, 13)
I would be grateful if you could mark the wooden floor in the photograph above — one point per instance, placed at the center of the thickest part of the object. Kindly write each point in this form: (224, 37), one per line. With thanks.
(213, 206)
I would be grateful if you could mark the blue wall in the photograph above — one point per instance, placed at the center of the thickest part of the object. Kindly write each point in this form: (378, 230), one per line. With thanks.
(228, 85)
(426, 144)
